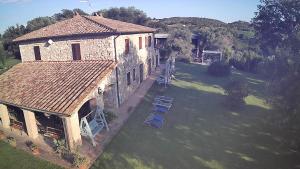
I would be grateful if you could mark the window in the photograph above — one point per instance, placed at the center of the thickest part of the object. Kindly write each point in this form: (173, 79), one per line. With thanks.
(153, 61)
(76, 51)
(37, 52)
(140, 43)
(146, 42)
(128, 79)
(133, 75)
(149, 41)
(126, 46)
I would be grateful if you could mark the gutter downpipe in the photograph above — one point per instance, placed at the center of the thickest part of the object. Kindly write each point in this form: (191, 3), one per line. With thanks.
(117, 74)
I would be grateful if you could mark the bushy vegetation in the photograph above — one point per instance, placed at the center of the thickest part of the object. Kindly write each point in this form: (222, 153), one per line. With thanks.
(219, 69)
(179, 44)
(236, 92)
(278, 30)
(3, 56)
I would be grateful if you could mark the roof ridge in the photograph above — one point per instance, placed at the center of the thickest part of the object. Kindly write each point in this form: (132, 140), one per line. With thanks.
(86, 17)
(70, 61)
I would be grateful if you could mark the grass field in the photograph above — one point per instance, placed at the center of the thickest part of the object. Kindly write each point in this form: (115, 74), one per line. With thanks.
(200, 132)
(11, 158)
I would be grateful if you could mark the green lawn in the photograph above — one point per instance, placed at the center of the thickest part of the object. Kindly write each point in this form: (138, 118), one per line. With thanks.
(10, 62)
(199, 132)
(11, 158)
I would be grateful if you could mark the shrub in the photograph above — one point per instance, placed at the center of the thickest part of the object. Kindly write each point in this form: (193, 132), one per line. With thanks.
(12, 141)
(60, 146)
(219, 69)
(236, 92)
(79, 160)
(2, 135)
(109, 116)
(184, 59)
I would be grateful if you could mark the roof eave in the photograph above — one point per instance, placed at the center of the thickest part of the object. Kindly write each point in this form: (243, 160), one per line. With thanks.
(35, 110)
(63, 36)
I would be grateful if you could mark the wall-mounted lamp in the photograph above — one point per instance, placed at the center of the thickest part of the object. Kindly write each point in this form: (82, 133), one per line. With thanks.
(100, 91)
(50, 41)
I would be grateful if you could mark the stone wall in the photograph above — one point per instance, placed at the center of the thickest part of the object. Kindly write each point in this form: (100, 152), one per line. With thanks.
(92, 48)
(132, 60)
(102, 48)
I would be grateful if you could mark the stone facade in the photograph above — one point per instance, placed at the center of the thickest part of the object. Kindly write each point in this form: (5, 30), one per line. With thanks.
(133, 60)
(92, 48)
(102, 48)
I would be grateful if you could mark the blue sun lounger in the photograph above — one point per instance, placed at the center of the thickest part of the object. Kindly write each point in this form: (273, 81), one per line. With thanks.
(160, 109)
(154, 120)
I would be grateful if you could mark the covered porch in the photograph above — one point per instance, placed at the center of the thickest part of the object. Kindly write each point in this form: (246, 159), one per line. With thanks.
(47, 99)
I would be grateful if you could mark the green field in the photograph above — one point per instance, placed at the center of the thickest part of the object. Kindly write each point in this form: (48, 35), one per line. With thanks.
(200, 132)
(11, 158)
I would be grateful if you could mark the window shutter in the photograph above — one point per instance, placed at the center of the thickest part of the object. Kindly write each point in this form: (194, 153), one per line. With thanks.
(37, 52)
(76, 51)
(149, 41)
(140, 43)
(126, 46)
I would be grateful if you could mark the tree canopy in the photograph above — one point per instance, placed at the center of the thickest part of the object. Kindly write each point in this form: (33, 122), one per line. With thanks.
(130, 14)
(38, 23)
(278, 28)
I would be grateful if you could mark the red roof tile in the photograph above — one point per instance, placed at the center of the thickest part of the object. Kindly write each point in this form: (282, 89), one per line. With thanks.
(83, 25)
(55, 87)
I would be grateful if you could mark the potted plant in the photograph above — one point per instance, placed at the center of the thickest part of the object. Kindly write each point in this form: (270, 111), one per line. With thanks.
(60, 146)
(33, 147)
(2, 136)
(80, 161)
(12, 141)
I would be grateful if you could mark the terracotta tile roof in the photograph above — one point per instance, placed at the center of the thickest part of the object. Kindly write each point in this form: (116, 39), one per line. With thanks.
(82, 25)
(55, 87)
(119, 26)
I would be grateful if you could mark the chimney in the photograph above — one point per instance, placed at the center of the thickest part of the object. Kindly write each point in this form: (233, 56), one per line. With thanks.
(76, 13)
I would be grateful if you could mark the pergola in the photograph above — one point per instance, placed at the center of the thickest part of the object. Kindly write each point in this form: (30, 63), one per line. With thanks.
(210, 52)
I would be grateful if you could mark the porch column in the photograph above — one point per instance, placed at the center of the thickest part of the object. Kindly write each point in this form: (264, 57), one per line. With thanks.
(4, 115)
(30, 123)
(72, 131)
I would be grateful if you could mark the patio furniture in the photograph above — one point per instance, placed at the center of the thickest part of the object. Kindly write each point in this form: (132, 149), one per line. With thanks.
(162, 104)
(164, 98)
(154, 120)
(92, 124)
(160, 109)
(14, 124)
(53, 133)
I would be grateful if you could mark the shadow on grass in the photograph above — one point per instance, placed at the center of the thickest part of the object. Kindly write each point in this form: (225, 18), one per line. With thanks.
(199, 131)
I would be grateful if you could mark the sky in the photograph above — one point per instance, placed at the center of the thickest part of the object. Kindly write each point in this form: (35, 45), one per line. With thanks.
(14, 12)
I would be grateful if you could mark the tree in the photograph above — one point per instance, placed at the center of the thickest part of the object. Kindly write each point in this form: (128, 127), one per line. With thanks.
(10, 34)
(38, 23)
(2, 57)
(179, 44)
(130, 14)
(236, 92)
(67, 13)
(278, 27)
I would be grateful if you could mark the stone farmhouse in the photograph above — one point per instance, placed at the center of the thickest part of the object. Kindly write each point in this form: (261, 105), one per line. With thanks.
(69, 69)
